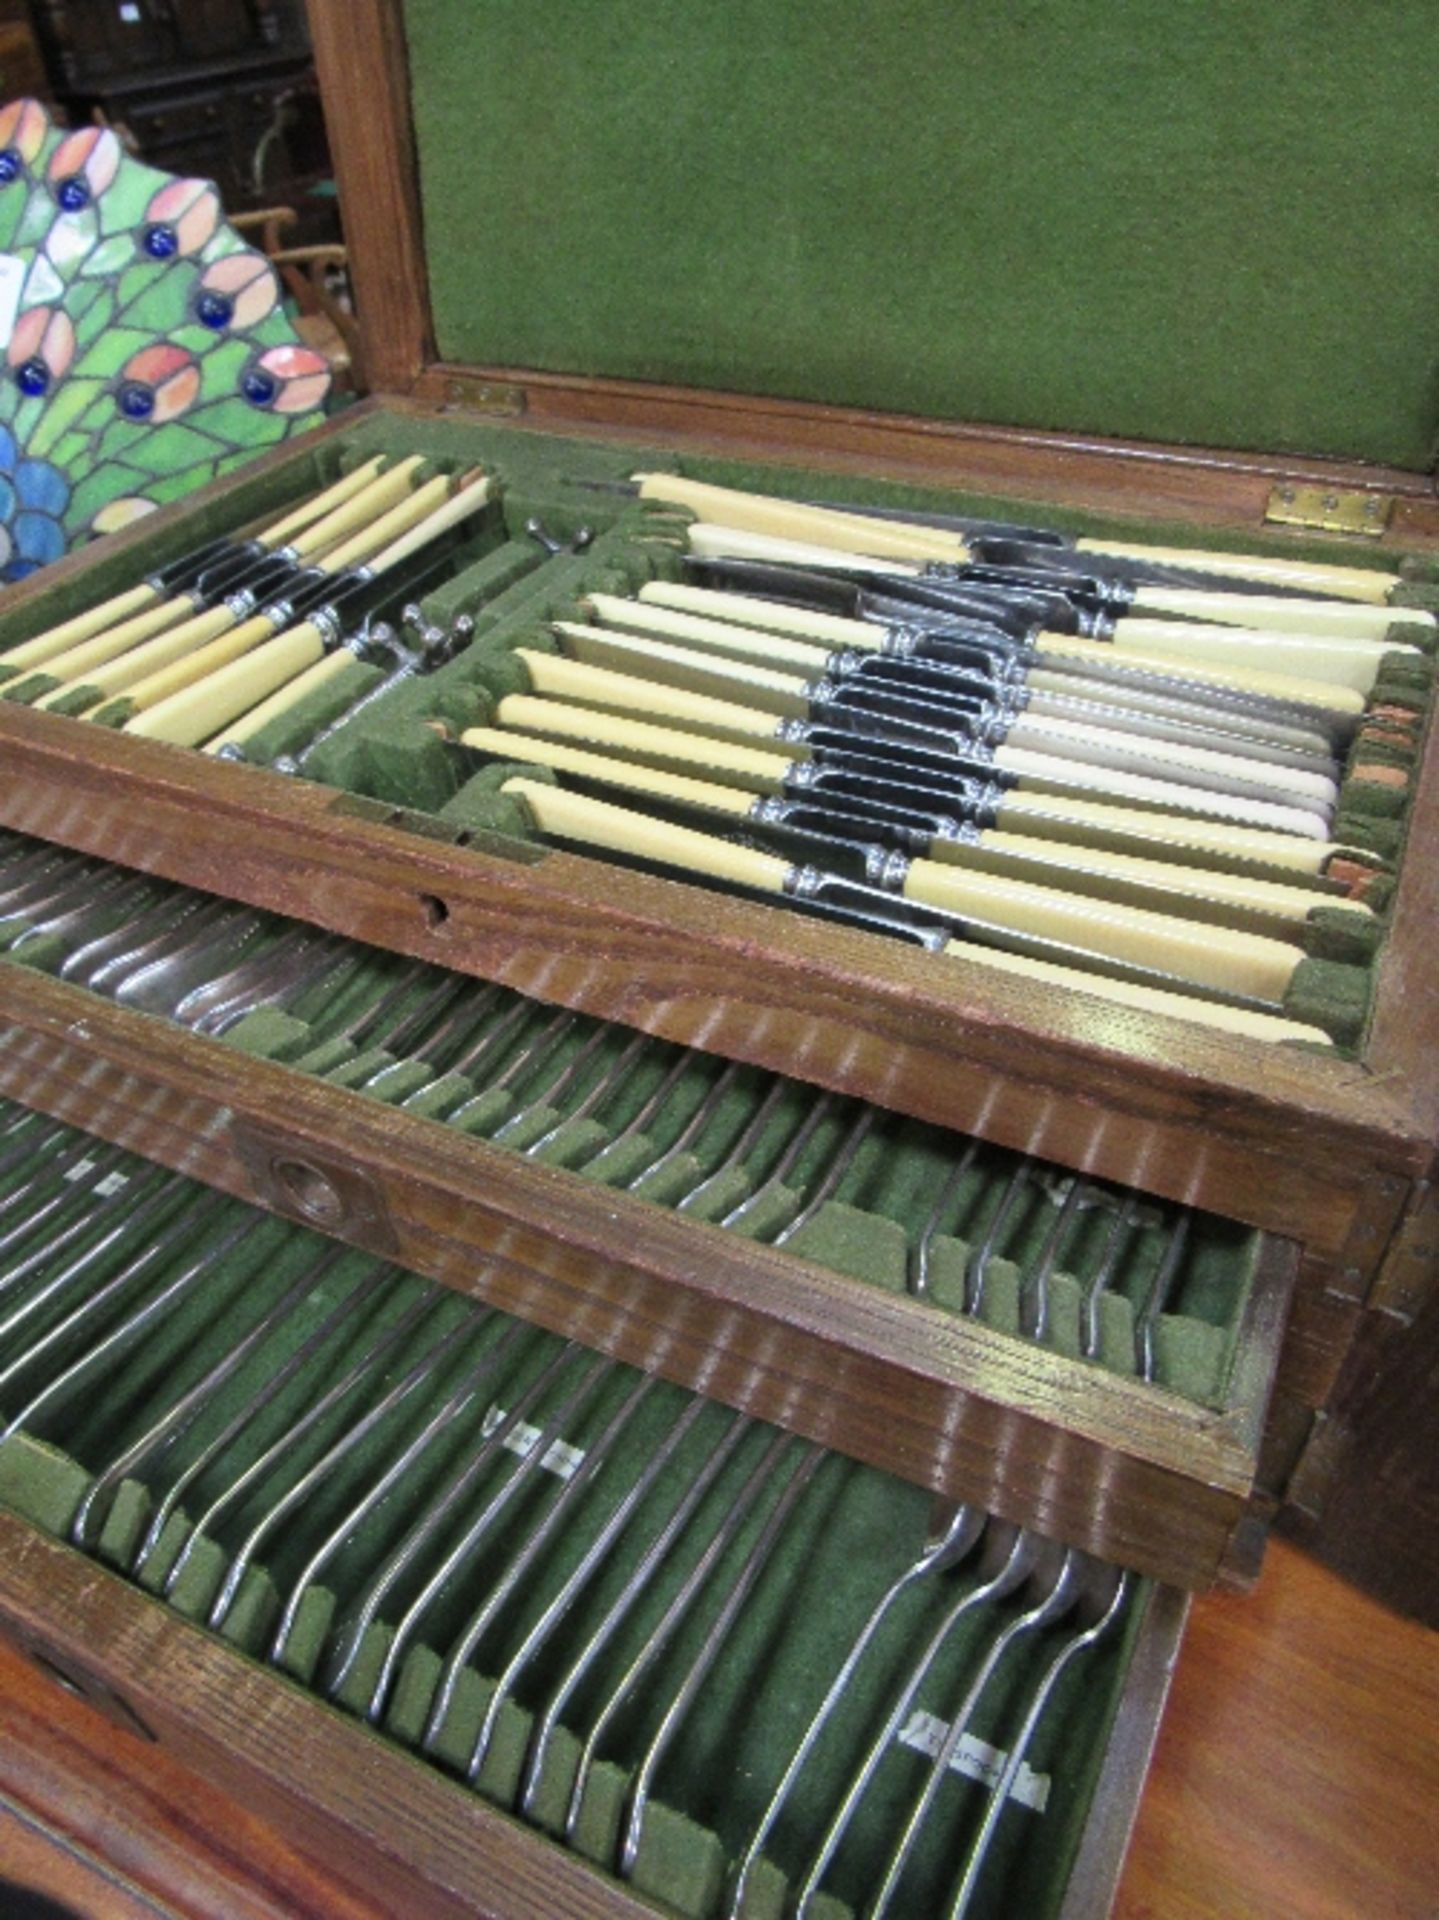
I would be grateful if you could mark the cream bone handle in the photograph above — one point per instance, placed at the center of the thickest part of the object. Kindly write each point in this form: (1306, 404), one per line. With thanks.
(197, 712)
(39, 651)
(275, 705)
(597, 686)
(183, 655)
(1348, 583)
(1183, 722)
(193, 667)
(1324, 701)
(117, 619)
(1213, 957)
(834, 527)
(1312, 619)
(788, 519)
(836, 630)
(1248, 1024)
(1352, 664)
(1053, 862)
(766, 771)
(386, 528)
(135, 662)
(319, 504)
(359, 511)
(563, 758)
(796, 696)
(1252, 612)
(475, 491)
(570, 816)
(74, 665)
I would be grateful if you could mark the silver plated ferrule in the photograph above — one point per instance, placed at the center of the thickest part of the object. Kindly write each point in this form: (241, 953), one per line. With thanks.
(960, 833)
(241, 604)
(886, 868)
(326, 622)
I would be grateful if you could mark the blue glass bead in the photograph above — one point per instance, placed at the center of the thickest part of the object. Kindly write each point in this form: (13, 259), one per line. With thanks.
(259, 387)
(136, 401)
(11, 166)
(32, 377)
(74, 193)
(213, 310)
(161, 243)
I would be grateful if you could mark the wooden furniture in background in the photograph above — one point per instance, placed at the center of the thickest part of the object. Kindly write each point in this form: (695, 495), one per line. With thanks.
(316, 279)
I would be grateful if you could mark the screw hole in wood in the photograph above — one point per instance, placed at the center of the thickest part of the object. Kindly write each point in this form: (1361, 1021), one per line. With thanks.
(434, 909)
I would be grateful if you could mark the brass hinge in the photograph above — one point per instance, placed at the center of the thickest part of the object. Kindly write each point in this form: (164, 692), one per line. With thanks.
(1328, 509)
(498, 400)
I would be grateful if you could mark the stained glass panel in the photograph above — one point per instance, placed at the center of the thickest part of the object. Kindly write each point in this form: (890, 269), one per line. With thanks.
(140, 358)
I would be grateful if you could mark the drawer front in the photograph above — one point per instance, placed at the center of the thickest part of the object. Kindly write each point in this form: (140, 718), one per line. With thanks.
(971, 1320)
(359, 1543)
(1281, 1138)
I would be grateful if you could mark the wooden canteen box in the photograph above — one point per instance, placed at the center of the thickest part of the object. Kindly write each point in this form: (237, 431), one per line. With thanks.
(616, 252)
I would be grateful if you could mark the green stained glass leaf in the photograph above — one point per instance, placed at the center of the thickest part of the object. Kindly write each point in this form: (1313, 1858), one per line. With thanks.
(40, 210)
(163, 308)
(180, 446)
(28, 416)
(105, 483)
(99, 314)
(176, 485)
(65, 411)
(132, 318)
(70, 240)
(79, 299)
(42, 283)
(14, 202)
(112, 256)
(231, 419)
(121, 437)
(134, 280)
(69, 451)
(123, 203)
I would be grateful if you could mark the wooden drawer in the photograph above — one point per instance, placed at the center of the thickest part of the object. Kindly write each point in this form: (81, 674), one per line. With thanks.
(312, 1493)
(1291, 1141)
(1080, 1359)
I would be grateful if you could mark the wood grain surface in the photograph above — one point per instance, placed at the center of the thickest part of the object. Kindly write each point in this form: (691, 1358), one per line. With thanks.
(1129, 1471)
(1295, 1779)
(1297, 1771)
(1313, 1148)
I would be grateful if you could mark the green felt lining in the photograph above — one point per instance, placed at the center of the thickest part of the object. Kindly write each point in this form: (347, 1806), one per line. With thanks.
(1207, 225)
(391, 751)
(865, 1231)
(852, 1534)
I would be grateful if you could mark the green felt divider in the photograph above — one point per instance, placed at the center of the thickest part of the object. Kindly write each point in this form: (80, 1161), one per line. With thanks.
(41, 1482)
(1045, 218)
(852, 1533)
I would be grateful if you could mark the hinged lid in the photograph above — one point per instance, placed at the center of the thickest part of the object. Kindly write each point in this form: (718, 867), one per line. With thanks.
(1209, 224)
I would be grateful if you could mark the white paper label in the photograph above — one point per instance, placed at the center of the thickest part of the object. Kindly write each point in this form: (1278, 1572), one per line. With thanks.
(560, 1458)
(975, 1759)
(112, 1183)
(12, 280)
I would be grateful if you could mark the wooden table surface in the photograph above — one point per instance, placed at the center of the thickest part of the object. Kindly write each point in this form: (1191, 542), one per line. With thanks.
(1297, 1778)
